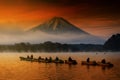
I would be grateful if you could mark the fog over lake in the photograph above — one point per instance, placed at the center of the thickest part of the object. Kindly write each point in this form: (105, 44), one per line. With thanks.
(40, 37)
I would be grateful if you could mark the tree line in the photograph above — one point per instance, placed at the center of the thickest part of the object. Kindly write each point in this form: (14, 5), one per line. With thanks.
(49, 47)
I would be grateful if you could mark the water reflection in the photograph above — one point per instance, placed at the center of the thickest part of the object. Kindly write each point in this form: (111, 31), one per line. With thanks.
(102, 67)
(106, 68)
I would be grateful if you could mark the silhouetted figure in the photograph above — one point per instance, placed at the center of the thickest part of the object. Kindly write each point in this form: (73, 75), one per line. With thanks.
(57, 59)
(70, 59)
(39, 57)
(50, 58)
(88, 59)
(46, 59)
(103, 61)
(28, 56)
(31, 56)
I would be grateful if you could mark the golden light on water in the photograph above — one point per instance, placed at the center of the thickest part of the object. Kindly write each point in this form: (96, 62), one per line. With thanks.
(11, 68)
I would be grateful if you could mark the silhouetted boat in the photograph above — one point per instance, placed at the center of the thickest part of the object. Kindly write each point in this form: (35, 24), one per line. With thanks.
(105, 64)
(25, 59)
(58, 61)
(74, 62)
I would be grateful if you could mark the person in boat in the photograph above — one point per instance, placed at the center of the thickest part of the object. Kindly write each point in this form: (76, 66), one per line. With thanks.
(103, 61)
(70, 59)
(31, 56)
(28, 57)
(46, 59)
(50, 58)
(39, 57)
(88, 59)
(56, 59)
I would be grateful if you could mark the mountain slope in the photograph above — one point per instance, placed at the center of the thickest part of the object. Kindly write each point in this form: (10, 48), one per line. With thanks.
(58, 25)
(60, 30)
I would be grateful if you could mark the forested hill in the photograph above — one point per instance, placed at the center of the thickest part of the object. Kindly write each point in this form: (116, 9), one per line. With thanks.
(113, 43)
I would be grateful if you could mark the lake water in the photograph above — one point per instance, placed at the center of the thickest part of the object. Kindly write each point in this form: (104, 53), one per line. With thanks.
(11, 68)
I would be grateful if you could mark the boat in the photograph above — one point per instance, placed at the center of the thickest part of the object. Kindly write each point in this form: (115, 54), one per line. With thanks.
(74, 62)
(28, 59)
(108, 64)
(58, 61)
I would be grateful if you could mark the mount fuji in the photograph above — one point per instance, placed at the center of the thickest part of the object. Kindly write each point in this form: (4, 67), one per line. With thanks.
(60, 30)
(58, 25)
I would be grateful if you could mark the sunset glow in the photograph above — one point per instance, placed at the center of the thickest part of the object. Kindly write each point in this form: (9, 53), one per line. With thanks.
(97, 17)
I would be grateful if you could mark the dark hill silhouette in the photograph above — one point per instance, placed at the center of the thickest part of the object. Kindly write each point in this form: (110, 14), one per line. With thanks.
(113, 43)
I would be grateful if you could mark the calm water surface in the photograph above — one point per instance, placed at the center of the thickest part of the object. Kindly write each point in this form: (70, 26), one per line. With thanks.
(11, 68)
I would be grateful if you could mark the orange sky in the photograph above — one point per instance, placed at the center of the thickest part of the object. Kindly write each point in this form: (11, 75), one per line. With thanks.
(98, 17)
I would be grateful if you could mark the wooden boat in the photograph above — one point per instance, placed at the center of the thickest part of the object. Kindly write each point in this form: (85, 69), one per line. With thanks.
(74, 62)
(89, 63)
(105, 64)
(29, 59)
(25, 59)
(58, 61)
